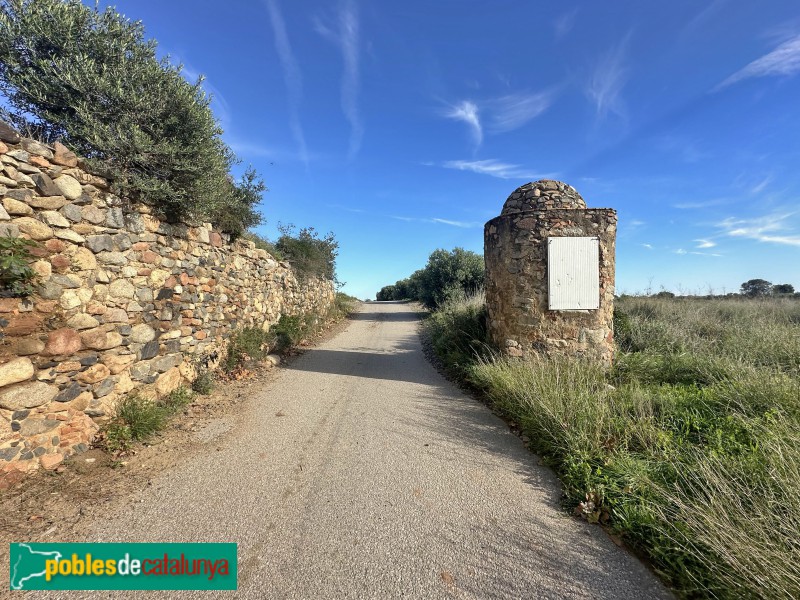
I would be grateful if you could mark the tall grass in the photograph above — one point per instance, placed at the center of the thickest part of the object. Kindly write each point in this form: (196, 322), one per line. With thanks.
(689, 447)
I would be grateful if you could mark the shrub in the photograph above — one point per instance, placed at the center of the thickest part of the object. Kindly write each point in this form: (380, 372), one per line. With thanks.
(263, 244)
(142, 416)
(309, 254)
(203, 383)
(246, 344)
(91, 78)
(17, 277)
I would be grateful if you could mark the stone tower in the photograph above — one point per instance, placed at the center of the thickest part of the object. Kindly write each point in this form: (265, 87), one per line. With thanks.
(550, 274)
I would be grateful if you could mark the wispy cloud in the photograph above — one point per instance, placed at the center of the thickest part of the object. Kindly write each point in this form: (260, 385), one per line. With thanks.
(347, 37)
(700, 204)
(496, 168)
(783, 61)
(775, 228)
(515, 110)
(291, 75)
(648, 246)
(608, 78)
(467, 112)
(450, 222)
(705, 243)
(761, 185)
(564, 23)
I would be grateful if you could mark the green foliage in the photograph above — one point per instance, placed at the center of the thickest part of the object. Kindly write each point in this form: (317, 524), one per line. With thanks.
(458, 331)
(783, 288)
(449, 275)
(203, 383)
(692, 455)
(91, 78)
(247, 344)
(263, 244)
(309, 254)
(139, 418)
(756, 288)
(17, 277)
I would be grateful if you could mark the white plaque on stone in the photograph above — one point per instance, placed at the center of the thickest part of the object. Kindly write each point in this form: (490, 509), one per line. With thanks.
(573, 273)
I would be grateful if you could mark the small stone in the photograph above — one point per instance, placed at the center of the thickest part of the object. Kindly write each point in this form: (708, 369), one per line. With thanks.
(34, 147)
(50, 461)
(117, 363)
(165, 363)
(115, 315)
(94, 374)
(112, 258)
(82, 321)
(82, 258)
(140, 370)
(121, 288)
(15, 207)
(54, 219)
(64, 156)
(35, 229)
(37, 427)
(15, 371)
(69, 187)
(45, 185)
(105, 387)
(88, 361)
(28, 346)
(168, 381)
(50, 291)
(70, 236)
(142, 333)
(100, 243)
(69, 393)
(149, 350)
(48, 202)
(26, 395)
(72, 212)
(115, 218)
(4, 216)
(8, 133)
(81, 401)
(62, 342)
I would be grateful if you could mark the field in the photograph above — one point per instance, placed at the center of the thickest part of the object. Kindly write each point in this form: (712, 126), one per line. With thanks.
(688, 449)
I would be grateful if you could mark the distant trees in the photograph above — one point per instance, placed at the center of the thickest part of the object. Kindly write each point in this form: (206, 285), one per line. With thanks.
(783, 288)
(92, 79)
(447, 274)
(756, 288)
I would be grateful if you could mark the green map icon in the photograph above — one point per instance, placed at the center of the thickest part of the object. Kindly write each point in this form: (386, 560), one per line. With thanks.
(28, 564)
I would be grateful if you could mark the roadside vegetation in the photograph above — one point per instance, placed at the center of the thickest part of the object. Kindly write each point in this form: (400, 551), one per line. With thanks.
(689, 448)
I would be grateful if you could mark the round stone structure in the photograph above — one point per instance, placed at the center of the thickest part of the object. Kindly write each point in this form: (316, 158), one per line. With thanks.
(521, 293)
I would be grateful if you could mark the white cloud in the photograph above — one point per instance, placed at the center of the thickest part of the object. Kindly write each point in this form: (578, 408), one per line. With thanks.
(467, 111)
(761, 185)
(291, 75)
(609, 76)
(495, 168)
(680, 251)
(705, 243)
(783, 61)
(515, 110)
(774, 229)
(348, 39)
(701, 204)
(437, 221)
(648, 246)
(219, 105)
(564, 23)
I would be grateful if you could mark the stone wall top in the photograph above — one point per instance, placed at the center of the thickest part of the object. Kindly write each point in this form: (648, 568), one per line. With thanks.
(542, 195)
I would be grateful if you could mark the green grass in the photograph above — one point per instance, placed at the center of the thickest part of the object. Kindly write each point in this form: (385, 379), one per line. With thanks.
(138, 419)
(689, 448)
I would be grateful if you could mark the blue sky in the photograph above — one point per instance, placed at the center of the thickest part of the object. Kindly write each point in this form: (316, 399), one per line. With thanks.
(403, 126)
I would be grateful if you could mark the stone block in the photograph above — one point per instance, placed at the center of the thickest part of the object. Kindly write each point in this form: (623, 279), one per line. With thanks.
(16, 371)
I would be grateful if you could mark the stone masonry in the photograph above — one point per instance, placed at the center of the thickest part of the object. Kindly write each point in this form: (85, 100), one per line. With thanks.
(125, 302)
(515, 250)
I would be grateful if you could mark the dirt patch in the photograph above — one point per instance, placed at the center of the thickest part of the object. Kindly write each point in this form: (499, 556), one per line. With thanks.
(53, 505)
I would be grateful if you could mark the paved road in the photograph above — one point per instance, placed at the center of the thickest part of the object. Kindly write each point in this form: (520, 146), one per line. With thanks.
(380, 480)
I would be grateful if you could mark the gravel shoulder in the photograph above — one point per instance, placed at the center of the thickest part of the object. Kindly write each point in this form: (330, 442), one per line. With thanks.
(358, 471)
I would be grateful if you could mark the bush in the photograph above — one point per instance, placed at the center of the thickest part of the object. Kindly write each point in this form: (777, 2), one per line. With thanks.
(17, 277)
(247, 344)
(263, 243)
(449, 275)
(309, 254)
(203, 383)
(91, 78)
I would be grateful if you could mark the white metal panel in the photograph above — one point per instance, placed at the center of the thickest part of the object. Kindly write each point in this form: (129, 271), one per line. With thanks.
(573, 273)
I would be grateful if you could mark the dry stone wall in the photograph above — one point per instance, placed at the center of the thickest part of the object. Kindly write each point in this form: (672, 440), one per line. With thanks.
(515, 250)
(124, 302)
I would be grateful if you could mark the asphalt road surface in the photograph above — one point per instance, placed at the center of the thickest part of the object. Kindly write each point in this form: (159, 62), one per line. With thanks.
(361, 473)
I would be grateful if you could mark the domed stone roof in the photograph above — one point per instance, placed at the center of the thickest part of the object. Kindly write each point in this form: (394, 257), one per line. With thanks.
(543, 195)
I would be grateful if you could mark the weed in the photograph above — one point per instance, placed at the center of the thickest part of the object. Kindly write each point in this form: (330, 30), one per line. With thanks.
(203, 383)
